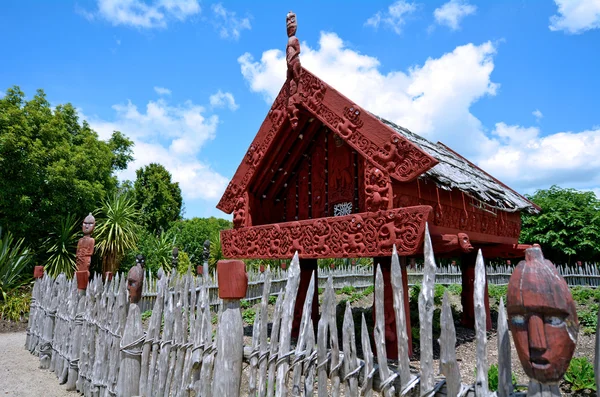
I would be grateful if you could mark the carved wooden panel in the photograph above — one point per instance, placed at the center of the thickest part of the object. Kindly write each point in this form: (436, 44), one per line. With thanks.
(318, 176)
(357, 235)
(303, 190)
(340, 173)
(372, 139)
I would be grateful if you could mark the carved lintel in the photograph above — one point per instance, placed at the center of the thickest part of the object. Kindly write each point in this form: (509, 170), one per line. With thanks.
(357, 235)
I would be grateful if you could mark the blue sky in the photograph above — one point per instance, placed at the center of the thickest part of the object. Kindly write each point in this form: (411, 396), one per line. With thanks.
(512, 85)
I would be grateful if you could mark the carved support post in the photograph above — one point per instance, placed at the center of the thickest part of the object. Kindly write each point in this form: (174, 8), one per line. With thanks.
(468, 288)
(233, 283)
(308, 267)
(82, 280)
(391, 339)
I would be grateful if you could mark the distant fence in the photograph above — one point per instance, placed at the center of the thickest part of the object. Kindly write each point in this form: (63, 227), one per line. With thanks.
(361, 278)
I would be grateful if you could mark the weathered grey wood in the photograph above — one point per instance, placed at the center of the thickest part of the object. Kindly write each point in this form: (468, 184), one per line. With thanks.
(505, 385)
(426, 308)
(177, 334)
(101, 336)
(208, 358)
(117, 327)
(230, 350)
(351, 366)
(334, 370)
(198, 349)
(274, 346)
(323, 327)
(32, 312)
(402, 336)
(536, 389)
(48, 331)
(291, 290)
(165, 348)
(186, 379)
(301, 343)
(263, 338)
(151, 343)
(131, 354)
(253, 371)
(448, 363)
(75, 347)
(379, 333)
(481, 383)
(310, 365)
(366, 388)
(181, 338)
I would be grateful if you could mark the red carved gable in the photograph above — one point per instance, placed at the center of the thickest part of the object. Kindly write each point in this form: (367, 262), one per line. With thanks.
(365, 134)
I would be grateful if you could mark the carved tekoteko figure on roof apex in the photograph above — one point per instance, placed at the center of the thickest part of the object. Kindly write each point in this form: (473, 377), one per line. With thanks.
(542, 318)
(294, 69)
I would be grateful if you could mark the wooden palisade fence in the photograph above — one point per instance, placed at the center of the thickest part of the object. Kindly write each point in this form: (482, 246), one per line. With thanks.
(94, 342)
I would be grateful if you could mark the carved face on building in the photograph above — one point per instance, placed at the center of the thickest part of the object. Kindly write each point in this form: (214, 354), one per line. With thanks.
(542, 318)
(89, 223)
(135, 279)
(464, 242)
(291, 24)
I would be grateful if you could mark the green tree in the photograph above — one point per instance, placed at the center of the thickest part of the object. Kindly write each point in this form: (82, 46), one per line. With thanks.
(567, 227)
(61, 246)
(158, 199)
(52, 164)
(117, 229)
(191, 234)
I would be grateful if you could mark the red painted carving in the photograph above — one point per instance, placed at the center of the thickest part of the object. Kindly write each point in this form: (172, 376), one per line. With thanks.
(85, 245)
(542, 317)
(318, 178)
(351, 121)
(464, 242)
(400, 158)
(254, 156)
(82, 279)
(38, 272)
(341, 182)
(378, 189)
(240, 214)
(294, 69)
(357, 235)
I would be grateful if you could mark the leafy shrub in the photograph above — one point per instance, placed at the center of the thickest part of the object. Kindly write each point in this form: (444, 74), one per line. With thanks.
(15, 305)
(497, 291)
(588, 319)
(14, 259)
(347, 290)
(455, 289)
(438, 294)
(272, 300)
(493, 377)
(582, 295)
(245, 304)
(369, 290)
(580, 374)
(249, 316)
(61, 246)
(146, 315)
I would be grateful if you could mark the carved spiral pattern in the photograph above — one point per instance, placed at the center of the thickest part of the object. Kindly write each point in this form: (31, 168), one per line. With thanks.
(357, 235)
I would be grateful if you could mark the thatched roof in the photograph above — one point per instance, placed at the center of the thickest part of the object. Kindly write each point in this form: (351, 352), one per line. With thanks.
(454, 171)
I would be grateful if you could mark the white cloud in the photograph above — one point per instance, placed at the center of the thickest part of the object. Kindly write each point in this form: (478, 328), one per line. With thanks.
(576, 16)
(538, 114)
(172, 135)
(222, 99)
(394, 17)
(227, 23)
(527, 159)
(162, 91)
(434, 100)
(141, 13)
(451, 13)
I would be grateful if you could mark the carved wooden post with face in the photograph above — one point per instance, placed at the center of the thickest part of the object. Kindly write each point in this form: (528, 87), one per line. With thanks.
(233, 283)
(85, 250)
(542, 320)
(133, 335)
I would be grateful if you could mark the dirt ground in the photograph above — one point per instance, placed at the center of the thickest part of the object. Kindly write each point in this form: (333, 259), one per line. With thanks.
(20, 374)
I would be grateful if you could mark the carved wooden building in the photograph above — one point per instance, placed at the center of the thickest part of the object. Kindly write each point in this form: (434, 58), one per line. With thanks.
(328, 179)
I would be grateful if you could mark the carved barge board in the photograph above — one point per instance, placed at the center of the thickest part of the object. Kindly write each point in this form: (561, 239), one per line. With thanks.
(366, 234)
(371, 138)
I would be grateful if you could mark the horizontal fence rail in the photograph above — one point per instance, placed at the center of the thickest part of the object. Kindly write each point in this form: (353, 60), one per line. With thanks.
(362, 277)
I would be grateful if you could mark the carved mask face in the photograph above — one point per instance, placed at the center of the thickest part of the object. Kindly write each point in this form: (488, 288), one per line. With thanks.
(291, 24)
(465, 242)
(541, 317)
(135, 279)
(89, 223)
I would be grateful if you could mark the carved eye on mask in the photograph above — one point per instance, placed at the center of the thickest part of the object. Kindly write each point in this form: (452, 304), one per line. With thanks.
(518, 320)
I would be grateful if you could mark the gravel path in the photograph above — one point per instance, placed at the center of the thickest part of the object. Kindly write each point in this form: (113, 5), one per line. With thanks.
(20, 374)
